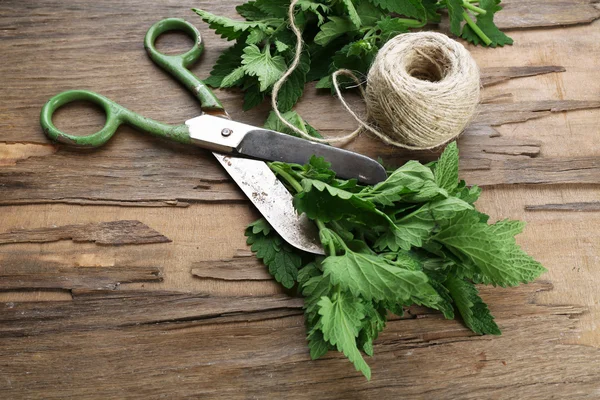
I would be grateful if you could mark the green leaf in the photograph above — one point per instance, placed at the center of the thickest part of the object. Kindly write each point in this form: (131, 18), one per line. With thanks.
(327, 203)
(320, 59)
(256, 36)
(318, 168)
(314, 7)
(274, 8)
(372, 325)
(485, 22)
(325, 83)
(455, 13)
(252, 94)
(231, 29)
(369, 13)
(266, 68)
(352, 14)
(446, 169)
(260, 226)
(280, 46)
(234, 78)
(275, 124)
(431, 11)
(390, 27)
(375, 278)
(317, 344)
(412, 182)
(281, 259)
(314, 288)
(293, 87)
(308, 271)
(227, 62)
(506, 229)
(493, 251)
(471, 307)
(445, 303)
(468, 194)
(332, 29)
(409, 8)
(251, 12)
(359, 48)
(415, 227)
(340, 322)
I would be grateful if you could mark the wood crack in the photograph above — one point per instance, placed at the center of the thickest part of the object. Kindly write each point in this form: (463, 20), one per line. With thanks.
(577, 206)
(114, 233)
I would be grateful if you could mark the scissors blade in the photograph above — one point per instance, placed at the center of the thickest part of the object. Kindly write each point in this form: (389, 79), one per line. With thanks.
(273, 200)
(274, 146)
(228, 136)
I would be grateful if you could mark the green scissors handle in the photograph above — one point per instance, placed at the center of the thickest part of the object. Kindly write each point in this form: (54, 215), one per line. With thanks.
(116, 115)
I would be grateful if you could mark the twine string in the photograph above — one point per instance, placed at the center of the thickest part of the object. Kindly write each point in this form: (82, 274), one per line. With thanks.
(422, 90)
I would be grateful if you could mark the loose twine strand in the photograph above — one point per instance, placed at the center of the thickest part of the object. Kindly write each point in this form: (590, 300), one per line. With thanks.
(422, 90)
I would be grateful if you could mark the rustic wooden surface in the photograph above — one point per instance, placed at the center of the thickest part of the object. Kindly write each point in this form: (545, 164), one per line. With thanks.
(124, 271)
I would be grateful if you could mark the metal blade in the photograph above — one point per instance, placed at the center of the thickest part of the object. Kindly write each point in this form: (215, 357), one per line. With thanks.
(273, 201)
(226, 136)
(275, 146)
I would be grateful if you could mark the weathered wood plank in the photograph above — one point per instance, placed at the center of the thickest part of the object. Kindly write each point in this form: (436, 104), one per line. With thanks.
(233, 269)
(22, 274)
(518, 14)
(183, 355)
(109, 310)
(127, 170)
(103, 233)
(493, 76)
(580, 206)
(177, 179)
(579, 170)
(495, 114)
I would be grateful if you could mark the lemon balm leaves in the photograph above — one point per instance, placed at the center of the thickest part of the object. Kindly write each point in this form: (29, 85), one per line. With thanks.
(446, 169)
(283, 262)
(340, 323)
(268, 69)
(494, 252)
(337, 34)
(473, 310)
(485, 23)
(374, 278)
(415, 238)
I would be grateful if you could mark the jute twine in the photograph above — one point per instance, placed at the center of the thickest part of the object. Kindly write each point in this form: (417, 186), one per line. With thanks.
(421, 91)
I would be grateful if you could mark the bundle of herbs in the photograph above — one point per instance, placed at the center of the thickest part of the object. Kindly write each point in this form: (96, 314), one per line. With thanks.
(415, 238)
(337, 34)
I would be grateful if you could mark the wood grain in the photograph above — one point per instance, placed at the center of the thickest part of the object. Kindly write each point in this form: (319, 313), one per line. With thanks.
(160, 174)
(580, 206)
(237, 268)
(188, 319)
(546, 13)
(493, 76)
(204, 350)
(21, 274)
(103, 233)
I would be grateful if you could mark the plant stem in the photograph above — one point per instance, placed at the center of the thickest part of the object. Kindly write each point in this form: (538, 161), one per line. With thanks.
(288, 178)
(330, 246)
(476, 29)
(411, 23)
(473, 8)
(298, 188)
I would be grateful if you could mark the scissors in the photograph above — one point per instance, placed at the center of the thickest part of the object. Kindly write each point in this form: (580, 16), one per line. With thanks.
(240, 148)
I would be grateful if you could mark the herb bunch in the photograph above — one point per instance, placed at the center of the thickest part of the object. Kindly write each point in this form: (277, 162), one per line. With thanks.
(337, 34)
(415, 238)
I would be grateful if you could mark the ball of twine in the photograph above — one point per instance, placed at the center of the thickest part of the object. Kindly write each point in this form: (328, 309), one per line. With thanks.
(422, 89)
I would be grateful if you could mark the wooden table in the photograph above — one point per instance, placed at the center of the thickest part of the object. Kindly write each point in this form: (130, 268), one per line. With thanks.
(124, 271)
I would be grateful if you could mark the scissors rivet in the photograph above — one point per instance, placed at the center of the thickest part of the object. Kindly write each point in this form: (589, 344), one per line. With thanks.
(226, 132)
